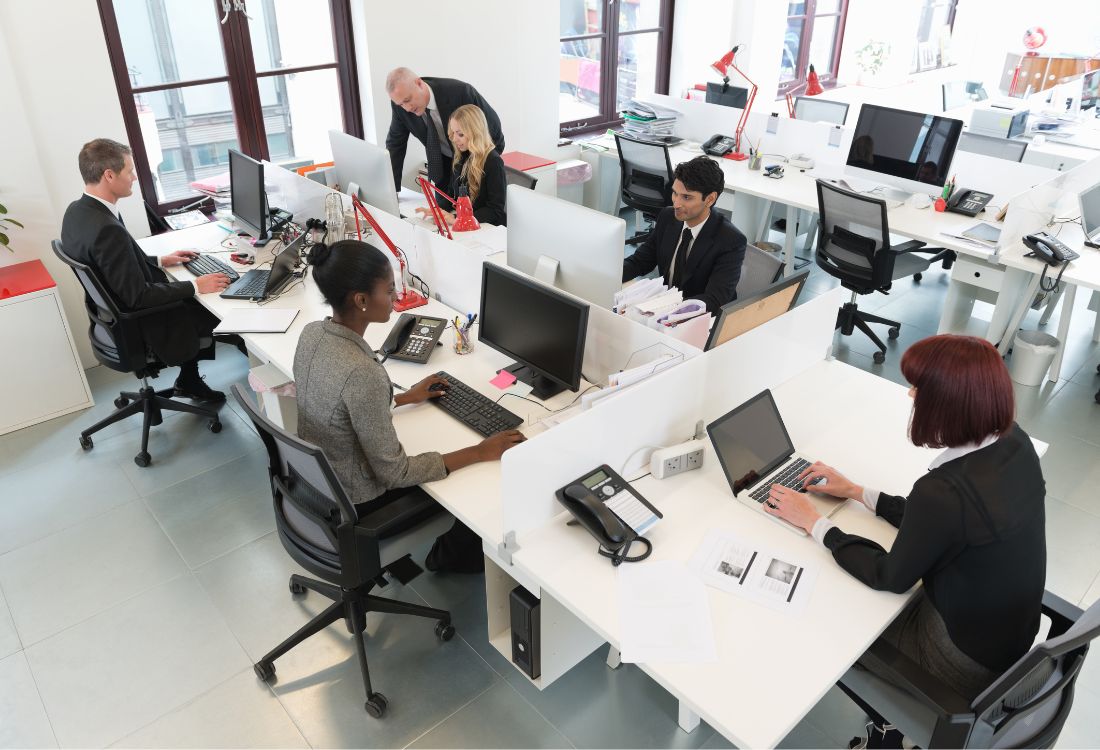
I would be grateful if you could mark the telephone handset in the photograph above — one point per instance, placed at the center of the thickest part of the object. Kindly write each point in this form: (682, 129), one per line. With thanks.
(718, 145)
(413, 338)
(597, 499)
(1049, 248)
(968, 202)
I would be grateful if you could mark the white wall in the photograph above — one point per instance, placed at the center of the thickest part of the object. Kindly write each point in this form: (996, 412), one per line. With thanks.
(507, 50)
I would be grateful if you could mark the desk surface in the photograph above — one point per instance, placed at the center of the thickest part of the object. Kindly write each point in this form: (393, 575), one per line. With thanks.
(772, 667)
(1083, 272)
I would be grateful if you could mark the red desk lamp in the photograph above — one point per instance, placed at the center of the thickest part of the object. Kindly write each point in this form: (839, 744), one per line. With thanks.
(721, 67)
(464, 210)
(813, 88)
(407, 298)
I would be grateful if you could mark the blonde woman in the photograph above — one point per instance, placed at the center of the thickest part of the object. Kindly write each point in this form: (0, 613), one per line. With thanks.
(477, 169)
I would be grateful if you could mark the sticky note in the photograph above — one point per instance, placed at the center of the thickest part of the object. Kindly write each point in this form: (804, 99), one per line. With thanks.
(503, 379)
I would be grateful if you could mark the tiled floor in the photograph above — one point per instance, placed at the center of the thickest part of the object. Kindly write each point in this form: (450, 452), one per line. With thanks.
(133, 601)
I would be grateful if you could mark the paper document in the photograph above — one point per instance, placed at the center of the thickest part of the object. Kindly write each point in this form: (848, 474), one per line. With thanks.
(741, 567)
(256, 320)
(664, 614)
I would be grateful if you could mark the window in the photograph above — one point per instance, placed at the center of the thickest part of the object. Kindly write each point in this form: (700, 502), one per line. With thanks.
(270, 81)
(815, 31)
(635, 34)
(937, 19)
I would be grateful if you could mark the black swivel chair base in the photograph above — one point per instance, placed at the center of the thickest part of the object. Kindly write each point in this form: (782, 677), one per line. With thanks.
(352, 606)
(150, 403)
(851, 317)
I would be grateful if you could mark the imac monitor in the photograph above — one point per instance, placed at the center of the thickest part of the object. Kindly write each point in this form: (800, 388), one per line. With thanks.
(565, 245)
(1090, 213)
(247, 195)
(363, 164)
(741, 316)
(539, 327)
(909, 151)
(812, 109)
(1090, 90)
(726, 95)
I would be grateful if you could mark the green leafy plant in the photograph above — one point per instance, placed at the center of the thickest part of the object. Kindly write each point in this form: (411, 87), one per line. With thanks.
(872, 56)
(4, 221)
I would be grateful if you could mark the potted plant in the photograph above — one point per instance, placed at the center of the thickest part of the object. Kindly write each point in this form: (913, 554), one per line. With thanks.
(4, 221)
(871, 57)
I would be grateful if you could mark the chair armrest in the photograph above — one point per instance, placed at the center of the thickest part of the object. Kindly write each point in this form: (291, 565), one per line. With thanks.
(885, 661)
(1062, 614)
(913, 246)
(147, 311)
(397, 514)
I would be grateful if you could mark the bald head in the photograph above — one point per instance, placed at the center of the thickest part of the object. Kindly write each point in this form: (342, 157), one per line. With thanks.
(407, 90)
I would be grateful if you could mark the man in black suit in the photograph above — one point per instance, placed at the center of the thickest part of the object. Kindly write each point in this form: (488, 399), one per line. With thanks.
(419, 102)
(696, 249)
(93, 233)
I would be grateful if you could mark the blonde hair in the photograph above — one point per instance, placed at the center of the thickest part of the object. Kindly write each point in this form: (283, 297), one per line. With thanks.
(471, 121)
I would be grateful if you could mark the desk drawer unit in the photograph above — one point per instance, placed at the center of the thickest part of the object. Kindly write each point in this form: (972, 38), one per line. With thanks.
(979, 273)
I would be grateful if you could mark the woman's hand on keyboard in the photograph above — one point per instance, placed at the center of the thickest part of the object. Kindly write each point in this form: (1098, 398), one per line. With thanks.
(492, 447)
(422, 391)
(792, 506)
(826, 480)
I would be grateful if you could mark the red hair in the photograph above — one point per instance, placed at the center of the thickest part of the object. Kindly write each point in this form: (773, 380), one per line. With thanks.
(963, 394)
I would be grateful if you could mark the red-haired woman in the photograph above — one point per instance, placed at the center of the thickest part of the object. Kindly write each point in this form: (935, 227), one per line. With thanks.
(972, 528)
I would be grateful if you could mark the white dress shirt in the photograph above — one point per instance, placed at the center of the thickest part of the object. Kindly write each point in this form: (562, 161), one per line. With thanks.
(112, 207)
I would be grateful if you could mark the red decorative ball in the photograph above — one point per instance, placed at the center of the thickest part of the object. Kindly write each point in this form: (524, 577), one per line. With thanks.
(1035, 37)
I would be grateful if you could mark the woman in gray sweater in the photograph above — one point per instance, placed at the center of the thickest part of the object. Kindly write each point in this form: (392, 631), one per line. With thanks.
(345, 397)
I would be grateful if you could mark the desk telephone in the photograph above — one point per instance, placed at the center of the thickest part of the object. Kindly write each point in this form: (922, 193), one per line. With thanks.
(1047, 247)
(718, 145)
(413, 338)
(586, 499)
(968, 202)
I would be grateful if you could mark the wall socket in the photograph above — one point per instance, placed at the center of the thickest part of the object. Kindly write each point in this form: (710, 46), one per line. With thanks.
(676, 459)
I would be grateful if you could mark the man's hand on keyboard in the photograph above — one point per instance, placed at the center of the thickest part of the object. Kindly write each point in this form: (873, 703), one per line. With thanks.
(178, 257)
(212, 282)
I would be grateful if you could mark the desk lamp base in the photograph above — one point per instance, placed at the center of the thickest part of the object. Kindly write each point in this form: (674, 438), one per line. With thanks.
(407, 300)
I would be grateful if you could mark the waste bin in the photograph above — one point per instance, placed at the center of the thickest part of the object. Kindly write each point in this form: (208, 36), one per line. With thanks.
(1032, 354)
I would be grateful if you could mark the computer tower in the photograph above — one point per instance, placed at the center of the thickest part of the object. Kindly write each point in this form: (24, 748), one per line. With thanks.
(526, 640)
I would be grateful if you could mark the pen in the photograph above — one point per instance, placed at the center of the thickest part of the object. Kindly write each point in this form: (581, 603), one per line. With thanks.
(473, 319)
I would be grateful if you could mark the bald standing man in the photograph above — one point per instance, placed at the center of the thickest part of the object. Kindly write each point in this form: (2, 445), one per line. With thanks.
(419, 103)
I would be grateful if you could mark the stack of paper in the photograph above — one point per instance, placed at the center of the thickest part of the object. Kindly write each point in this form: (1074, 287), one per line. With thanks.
(648, 120)
(215, 186)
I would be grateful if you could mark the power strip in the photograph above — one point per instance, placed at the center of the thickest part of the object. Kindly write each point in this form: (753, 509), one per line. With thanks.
(676, 459)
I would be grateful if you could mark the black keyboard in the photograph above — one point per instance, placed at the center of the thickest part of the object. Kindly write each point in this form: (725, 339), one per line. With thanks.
(205, 264)
(788, 477)
(474, 410)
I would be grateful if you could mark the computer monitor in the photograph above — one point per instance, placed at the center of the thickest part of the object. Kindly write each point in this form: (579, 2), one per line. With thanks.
(367, 166)
(726, 95)
(1090, 89)
(539, 327)
(908, 151)
(1090, 213)
(813, 109)
(568, 246)
(742, 315)
(247, 195)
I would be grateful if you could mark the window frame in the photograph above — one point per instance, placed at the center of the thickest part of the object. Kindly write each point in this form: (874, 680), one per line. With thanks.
(244, 92)
(609, 36)
(809, 16)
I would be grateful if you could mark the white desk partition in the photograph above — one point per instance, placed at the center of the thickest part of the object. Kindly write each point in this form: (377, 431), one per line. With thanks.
(452, 270)
(662, 410)
(299, 195)
(614, 343)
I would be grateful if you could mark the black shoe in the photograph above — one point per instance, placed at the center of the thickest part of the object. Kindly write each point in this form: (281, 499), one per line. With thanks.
(198, 390)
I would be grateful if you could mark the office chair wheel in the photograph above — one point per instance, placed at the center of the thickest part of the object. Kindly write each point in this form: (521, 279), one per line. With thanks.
(86, 442)
(214, 425)
(264, 670)
(376, 705)
(894, 332)
(444, 630)
(143, 459)
(297, 588)
(879, 357)
(1098, 369)
(121, 401)
(917, 277)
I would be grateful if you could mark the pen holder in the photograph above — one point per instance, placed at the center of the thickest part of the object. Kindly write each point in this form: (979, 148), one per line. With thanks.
(754, 161)
(464, 342)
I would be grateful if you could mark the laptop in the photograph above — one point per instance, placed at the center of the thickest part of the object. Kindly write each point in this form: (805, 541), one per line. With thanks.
(1090, 214)
(260, 284)
(756, 452)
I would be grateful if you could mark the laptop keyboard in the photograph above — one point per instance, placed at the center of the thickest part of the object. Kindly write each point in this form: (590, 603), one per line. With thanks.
(254, 284)
(204, 264)
(787, 476)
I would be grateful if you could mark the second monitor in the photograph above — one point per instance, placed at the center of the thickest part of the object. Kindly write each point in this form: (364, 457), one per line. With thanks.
(542, 329)
(367, 166)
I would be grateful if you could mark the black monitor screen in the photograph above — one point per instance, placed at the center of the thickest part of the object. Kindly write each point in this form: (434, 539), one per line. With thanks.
(910, 145)
(534, 324)
(246, 178)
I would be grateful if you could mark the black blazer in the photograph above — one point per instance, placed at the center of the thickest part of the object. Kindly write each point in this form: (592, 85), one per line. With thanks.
(91, 234)
(713, 265)
(489, 205)
(449, 96)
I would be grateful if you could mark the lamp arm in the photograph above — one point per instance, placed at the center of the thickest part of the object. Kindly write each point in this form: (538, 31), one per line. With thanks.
(359, 208)
(428, 188)
(748, 107)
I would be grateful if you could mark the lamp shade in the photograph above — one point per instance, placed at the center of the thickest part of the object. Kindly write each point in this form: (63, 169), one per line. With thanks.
(813, 85)
(464, 215)
(722, 65)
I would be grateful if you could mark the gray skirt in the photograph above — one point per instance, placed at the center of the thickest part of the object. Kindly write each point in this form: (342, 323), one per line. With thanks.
(920, 633)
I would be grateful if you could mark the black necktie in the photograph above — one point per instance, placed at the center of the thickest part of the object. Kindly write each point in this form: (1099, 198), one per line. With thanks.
(120, 221)
(434, 153)
(679, 260)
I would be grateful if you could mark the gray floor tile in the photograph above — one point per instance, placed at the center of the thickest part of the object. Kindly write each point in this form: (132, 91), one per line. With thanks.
(23, 720)
(153, 653)
(9, 638)
(837, 717)
(1071, 468)
(499, 717)
(69, 576)
(43, 499)
(218, 510)
(237, 713)
(1073, 549)
(806, 735)
(858, 342)
(1071, 412)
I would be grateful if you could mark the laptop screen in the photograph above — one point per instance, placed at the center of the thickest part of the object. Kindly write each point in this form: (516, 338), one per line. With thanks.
(1090, 211)
(282, 267)
(750, 441)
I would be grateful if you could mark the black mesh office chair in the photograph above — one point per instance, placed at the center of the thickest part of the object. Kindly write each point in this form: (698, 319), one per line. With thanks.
(1027, 706)
(117, 343)
(321, 531)
(513, 176)
(646, 179)
(853, 245)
